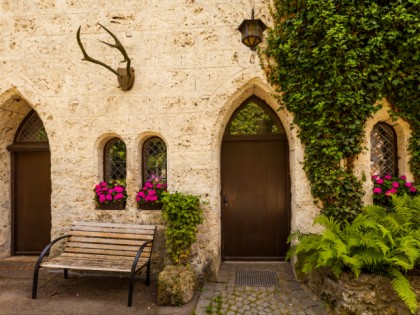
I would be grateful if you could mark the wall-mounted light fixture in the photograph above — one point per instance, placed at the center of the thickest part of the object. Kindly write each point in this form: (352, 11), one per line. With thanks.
(252, 31)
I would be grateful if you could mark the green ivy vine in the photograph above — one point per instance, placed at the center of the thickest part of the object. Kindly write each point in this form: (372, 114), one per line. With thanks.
(332, 61)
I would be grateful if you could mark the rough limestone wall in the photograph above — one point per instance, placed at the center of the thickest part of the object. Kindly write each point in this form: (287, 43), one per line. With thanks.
(192, 71)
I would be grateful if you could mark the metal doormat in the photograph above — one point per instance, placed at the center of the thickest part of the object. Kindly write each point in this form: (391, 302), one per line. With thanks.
(256, 278)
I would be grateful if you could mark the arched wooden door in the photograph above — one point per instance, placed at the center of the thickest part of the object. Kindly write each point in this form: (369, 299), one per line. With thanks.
(31, 188)
(255, 185)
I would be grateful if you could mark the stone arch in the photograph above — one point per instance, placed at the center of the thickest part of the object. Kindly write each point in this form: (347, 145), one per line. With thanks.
(14, 107)
(403, 132)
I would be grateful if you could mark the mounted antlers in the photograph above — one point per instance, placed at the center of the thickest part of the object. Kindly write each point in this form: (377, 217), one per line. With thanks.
(125, 75)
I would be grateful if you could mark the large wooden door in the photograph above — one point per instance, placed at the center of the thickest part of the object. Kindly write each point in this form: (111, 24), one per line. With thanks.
(32, 202)
(255, 199)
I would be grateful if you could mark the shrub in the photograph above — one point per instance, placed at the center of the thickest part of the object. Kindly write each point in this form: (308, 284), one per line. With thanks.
(379, 240)
(182, 214)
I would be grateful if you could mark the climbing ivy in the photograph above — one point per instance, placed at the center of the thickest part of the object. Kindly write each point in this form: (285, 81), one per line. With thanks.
(332, 61)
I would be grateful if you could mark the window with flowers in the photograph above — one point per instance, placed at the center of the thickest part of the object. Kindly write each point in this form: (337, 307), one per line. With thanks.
(110, 194)
(154, 173)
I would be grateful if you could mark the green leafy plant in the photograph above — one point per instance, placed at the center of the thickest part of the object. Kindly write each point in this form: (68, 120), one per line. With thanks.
(331, 62)
(379, 241)
(182, 214)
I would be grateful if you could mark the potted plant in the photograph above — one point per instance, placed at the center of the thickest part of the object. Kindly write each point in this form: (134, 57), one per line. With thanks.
(182, 214)
(110, 195)
(149, 196)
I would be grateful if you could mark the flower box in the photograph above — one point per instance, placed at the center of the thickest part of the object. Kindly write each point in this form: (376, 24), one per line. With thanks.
(119, 205)
(151, 206)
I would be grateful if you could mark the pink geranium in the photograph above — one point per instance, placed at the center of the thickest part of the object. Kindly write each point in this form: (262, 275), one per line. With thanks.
(151, 191)
(109, 192)
(387, 186)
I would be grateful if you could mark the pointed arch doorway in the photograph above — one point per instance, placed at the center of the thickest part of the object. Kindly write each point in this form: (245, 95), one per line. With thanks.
(31, 187)
(255, 209)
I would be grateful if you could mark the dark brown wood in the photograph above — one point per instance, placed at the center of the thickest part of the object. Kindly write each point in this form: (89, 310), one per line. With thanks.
(255, 198)
(31, 187)
(119, 205)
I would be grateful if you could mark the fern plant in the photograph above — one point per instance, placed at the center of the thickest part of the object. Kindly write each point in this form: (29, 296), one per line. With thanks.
(379, 241)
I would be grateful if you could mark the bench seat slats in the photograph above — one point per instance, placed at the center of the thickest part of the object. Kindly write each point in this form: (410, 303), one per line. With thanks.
(141, 237)
(123, 225)
(112, 230)
(101, 251)
(90, 256)
(92, 264)
(107, 246)
(97, 240)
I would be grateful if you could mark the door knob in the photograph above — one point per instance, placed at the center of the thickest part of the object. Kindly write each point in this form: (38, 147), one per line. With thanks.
(225, 201)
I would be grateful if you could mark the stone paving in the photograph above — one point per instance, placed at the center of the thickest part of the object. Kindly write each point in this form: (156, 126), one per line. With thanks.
(223, 297)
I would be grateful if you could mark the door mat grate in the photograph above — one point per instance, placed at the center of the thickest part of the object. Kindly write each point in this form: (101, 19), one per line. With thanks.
(256, 278)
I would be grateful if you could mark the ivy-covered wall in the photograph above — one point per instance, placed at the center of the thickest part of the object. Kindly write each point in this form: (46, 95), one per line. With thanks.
(332, 61)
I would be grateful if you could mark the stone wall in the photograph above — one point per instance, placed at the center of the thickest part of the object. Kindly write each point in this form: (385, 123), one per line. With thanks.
(192, 72)
(367, 295)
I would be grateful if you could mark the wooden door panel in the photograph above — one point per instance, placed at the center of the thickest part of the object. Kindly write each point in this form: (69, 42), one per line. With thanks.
(32, 201)
(255, 222)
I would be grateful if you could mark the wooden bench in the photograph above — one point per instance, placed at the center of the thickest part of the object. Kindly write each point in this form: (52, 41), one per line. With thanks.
(125, 248)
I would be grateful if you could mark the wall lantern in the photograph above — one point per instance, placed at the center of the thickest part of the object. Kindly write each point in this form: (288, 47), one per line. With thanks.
(252, 31)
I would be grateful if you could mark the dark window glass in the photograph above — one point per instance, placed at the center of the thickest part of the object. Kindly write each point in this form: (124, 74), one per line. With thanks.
(115, 160)
(154, 159)
(384, 155)
(32, 131)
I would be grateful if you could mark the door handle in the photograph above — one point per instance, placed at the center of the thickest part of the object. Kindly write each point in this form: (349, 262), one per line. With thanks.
(225, 201)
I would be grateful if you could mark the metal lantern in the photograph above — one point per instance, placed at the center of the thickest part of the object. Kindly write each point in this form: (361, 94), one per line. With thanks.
(252, 31)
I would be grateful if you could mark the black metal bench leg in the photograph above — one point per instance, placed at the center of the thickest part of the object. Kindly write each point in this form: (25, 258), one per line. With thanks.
(35, 282)
(148, 273)
(130, 289)
(66, 273)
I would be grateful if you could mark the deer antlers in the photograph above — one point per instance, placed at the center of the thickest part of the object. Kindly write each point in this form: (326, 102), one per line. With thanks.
(125, 75)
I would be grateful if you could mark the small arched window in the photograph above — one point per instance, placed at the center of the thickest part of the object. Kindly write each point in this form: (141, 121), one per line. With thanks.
(384, 150)
(154, 159)
(254, 119)
(115, 161)
(32, 130)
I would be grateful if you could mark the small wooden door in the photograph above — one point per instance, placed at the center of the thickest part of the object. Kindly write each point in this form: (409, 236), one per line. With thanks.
(255, 196)
(31, 188)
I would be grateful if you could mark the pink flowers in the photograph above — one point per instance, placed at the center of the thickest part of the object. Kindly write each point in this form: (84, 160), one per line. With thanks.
(377, 190)
(387, 186)
(110, 192)
(151, 191)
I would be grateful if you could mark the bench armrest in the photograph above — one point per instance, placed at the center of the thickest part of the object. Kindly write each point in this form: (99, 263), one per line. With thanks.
(46, 249)
(136, 259)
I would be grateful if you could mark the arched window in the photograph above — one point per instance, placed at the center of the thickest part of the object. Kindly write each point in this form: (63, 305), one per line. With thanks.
(384, 150)
(32, 130)
(154, 159)
(115, 161)
(253, 119)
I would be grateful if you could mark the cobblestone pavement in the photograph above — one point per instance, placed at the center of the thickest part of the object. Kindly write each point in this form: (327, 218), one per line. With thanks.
(223, 297)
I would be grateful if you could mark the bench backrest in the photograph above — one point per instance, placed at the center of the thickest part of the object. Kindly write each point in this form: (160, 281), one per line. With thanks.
(110, 240)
